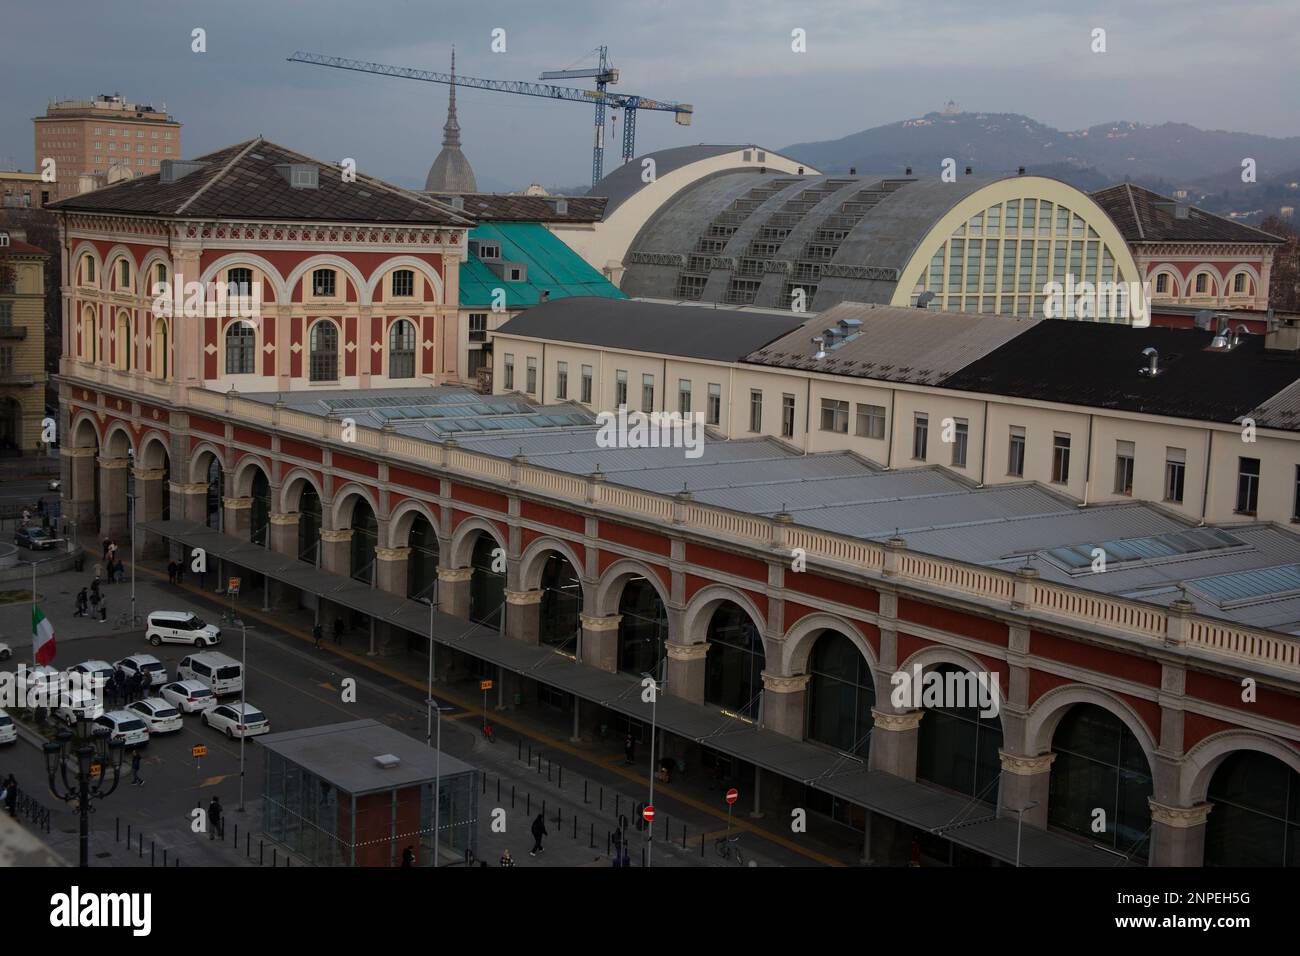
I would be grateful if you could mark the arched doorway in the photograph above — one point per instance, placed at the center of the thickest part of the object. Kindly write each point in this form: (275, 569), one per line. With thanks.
(734, 666)
(559, 619)
(365, 537)
(840, 695)
(487, 588)
(216, 481)
(259, 519)
(160, 353)
(309, 524)
(1256, 815)
(422, 562)
(1100, 765)
(11, 426)
(642, 629)
(957, 748)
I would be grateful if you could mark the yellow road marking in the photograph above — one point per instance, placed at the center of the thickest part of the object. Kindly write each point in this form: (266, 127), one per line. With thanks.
(327, 685)
(213, 781)
(518, 727)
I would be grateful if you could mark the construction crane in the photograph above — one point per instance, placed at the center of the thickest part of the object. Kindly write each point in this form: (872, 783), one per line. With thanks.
(627, 102)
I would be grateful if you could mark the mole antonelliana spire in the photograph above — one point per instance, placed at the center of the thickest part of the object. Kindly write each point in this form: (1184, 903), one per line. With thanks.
(451, 171)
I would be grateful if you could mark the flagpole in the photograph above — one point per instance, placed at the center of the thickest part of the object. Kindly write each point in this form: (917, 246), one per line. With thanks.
(33, 613)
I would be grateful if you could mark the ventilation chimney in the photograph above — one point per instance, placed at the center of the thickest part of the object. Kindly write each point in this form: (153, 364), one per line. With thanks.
(1020, 171)
(388, 761)
(908, 171)
(821, 346)
(853, 170)
(170, 170)
(967, 170)
(1153, 363)
(561, 207)
(1222, 340)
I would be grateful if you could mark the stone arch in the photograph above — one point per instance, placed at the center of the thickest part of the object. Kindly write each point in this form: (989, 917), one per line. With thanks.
(345, 501)
(533, 560)
(82, 425)
(261, 264)
(110, 260)
(700, 608)
(241, 482)
(199, 463)
(1047, 711)
(148, 456)
(111, 446)
(404, 262)
(1250, 271)
(291, 489)
(334, 262)
(1212, 271)
(1177, 282)
(84, 248)
(463, 537)
(943, 654)
(404, 515)
(152, 258)
(1201, 762)
(797, 645)
(609, 589)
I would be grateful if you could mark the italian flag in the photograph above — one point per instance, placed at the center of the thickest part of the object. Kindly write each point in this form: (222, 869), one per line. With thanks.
(42, 637)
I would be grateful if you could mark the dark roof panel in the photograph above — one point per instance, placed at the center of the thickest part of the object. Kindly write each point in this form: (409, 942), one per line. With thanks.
(494, 207)
(1143, 216)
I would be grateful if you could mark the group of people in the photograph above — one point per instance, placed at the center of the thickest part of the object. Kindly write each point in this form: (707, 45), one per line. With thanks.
(9, 793)
(42, 513)
(90, 601)
(318, 633)
(109, 570)
(122, 690)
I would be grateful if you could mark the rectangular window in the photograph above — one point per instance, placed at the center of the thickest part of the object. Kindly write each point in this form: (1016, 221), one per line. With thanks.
(404, 282)
(123, 274)
(715, 404)
(787, 416)
(620, 387)
(684, 396)
(1060, 458)
(870, 421)
(960, 439)
(586, 385)
(1016, 452)
(755, 410)
(562, 380)
(1124, 467)
(835, 416)
(531, 380)
(920, 436)
(1162, 283)
(322, 283)
(1239, 283)
(6, 360)
(509, 366)
(1248, 486)
(1295, 498)
(1201, 283)
(1175, 471)
(6, 315)
(478, 326)
(647, 393)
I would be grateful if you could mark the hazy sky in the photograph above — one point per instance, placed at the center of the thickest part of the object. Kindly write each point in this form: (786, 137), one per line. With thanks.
(1215, 65)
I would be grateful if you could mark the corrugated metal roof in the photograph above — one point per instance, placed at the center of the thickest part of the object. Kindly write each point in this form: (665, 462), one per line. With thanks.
(553, 268)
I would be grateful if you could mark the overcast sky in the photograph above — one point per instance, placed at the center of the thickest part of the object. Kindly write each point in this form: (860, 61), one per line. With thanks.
(1215, 65)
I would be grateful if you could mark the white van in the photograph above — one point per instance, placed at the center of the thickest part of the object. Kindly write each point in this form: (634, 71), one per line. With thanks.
(180, 627)
(223, 674)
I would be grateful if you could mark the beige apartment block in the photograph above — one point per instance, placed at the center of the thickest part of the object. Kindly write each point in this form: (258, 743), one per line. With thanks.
(91, 137)
(22, 343)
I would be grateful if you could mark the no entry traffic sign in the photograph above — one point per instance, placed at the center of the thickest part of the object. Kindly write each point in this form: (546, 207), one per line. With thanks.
(733, 795)
(649, 814)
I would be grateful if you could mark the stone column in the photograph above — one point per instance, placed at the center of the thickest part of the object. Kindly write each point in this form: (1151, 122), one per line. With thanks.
(283, 538)
(238, 519)
(893, 742)
(390, 570)
(190, 501)
(1178, 834)
(336, 551)
(784, 703)
(600, 641)
(1025, 780)
(112, 499)
(453, 591)
(685, 677)
(523, 615)
(149, 507)
(79, 491)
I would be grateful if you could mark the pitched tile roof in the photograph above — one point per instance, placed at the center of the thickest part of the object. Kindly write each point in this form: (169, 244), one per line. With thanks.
(1140, 217)
(486, 207)
(241, 182)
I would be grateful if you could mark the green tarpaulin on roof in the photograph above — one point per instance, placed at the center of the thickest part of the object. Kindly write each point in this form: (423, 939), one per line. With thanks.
(551, 267)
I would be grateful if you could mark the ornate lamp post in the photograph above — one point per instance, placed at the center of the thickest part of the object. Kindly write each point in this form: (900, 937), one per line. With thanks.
(91, 748)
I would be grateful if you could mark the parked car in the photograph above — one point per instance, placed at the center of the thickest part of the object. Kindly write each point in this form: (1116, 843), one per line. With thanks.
(159, 716)
(237, 720)
(92, 673)
(141, 663)
(55, 484)
(39, 685)
(126, 726)
(180, 627)
(78, 705)
(8, 729)
(37, 539)
(223, 674)
(189, 695)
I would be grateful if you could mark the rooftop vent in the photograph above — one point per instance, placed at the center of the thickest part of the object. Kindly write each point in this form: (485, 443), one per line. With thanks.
(853, 170)
(170, 170)
(1204, 319)
(457, 202)
(1020, 171)
(924, 299)
(1152, 368)
(800, 170)
(908, 171)
(820, 343)
(561, 207)
(967, 170)
(388, 761)
(1225, 338)
(300, 175)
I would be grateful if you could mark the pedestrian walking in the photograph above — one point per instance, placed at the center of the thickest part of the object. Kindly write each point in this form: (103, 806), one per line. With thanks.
(539, 831)
(171, 572)
(11, 793)
(316, 635)
(629, 750)
(111, 553)
(506, 858)
(98, 572)
(103, 612)
(133, 688)
(146, 682)
(82, 600)
(136, 779)
(95, 595)
(408, 856)
(216, 826)
(106, 544)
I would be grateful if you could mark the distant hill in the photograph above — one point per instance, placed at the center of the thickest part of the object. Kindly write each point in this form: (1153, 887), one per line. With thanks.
(1163, 157)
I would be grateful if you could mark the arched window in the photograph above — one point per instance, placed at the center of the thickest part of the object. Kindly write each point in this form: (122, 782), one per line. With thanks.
(840, 695)
(365, 536)
(309, 524)
(88, 333)
(161, 364)
(403, 282)
(487, 590)
(241, 352)
(260, 514)
(88, 269)
(1256, 815)
(422, 562)
(957, 745)
(642, 628)
(401, 350)
(560, 610)
(122, 341)
(734, 666)
(124, 274)
(324, 366)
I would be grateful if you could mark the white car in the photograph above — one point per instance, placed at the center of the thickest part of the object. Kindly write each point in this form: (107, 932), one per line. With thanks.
(142, 663)
(39, 686)
(237, 720)
(8, 729)
(159, 716)
(181, 627)
(92, 673)
(189, 695)
(79, 705)
(126, 726)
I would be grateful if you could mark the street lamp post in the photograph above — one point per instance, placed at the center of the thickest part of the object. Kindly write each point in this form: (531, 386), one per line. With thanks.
(434, 707)
(104, 752)
(243, 685)
(1020, 819)
(654, 708)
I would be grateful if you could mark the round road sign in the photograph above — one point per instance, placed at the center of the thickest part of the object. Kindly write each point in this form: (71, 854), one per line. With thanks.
(649, 814)
(733, 795)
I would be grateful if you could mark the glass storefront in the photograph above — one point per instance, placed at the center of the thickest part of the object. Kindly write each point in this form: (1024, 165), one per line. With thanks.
(309, 525)
(561, 606)
(734, 666)
(958, 749)
(643, 628)
(487, 588)
(840, 695)
(422, 562)
(1256, 815)
(260, 513)
(365, 536)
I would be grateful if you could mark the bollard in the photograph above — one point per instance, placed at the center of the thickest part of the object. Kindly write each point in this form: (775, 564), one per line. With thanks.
(178, 862)
(152, 846)
(616, 813)
(561, 780)
(643, 856)
(528, 805)
(548, 771)
(117, 829)
(512, 796)
(141, 854)
(236, 835)
(683, 836)
(575, 826)
(275, 857)
(485, 784)
(701, 846)
(602, 798)
(164, 857)
(607, 837)
(498, 789)
(128, 836)
(591, 841)
(519, 751)
(584, 792)
(530, 754)
(248, 844)
(559, 818)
